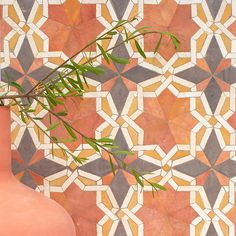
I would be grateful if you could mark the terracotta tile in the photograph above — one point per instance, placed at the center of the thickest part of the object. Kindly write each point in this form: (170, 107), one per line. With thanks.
(166, 120)
(82, 208)
(79, 113)
(161, 220)
(171, 17)
(69, 30)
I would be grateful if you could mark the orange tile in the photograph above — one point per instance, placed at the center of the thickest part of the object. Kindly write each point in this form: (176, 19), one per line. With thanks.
(161, 220)
(173, 18)
(82, 208)
(69, 30)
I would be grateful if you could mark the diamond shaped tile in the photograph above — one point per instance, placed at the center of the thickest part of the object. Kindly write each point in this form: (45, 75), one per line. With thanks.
(26, 147)
(213, 55)
(139, 74)
(213, 94)
(212, 188)
(119, 93)
(119, 187)
(192, 168)
(212, 148)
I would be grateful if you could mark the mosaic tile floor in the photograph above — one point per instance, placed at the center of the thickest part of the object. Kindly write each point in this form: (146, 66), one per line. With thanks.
(175, 110)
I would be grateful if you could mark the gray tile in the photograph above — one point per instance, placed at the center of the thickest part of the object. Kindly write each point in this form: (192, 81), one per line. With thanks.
(99, 167)
(228, 75)
(28, 181)
(213, 55)
(120, 230)
(122, 52)
(212, 149)
(192, 168)
(139, 74)
(213, 94)
(26, 6)
(194, 74)
(143, 166)
(119, 187)
(120, 141)
(107, 75)
(119, 93)
(46, 167)
(214, 6)
(26, 84)
(212, 188)
(17, 167)
(25, 56)
(120, 7)
(26, 147)
(211, 231)
(41, 73)
(11, 73)
(227, 168)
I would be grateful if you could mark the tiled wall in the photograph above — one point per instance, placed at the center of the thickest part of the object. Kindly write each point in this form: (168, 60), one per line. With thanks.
(175, 110)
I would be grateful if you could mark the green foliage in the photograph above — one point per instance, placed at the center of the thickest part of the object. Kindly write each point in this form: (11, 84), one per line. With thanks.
(69, 80)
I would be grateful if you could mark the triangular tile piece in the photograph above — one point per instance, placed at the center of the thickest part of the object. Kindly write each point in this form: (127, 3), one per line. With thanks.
(120, 7)
(212, 149)
(119, 93)
(26, 7)
(211, 231)
(119, 187)
(214, 6)
(120, 230)
(213, 94)
(212, 188)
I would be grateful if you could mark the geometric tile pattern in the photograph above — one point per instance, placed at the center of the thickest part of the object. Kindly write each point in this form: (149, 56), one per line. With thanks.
(176, 110)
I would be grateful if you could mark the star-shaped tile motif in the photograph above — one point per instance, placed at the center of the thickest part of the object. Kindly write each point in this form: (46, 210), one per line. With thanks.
(211, 70)
(25, 69)
(29, 164)
(214, 166)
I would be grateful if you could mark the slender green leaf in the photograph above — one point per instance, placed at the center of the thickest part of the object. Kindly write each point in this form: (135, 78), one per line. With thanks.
(105, 140)
(140, 50)
(17, 86)
(156, 185)
(92, 144)
(112, 165)
(104, 54)
(118, 59)
(53, 126)
(123, 152)
(137, 177)
(158, 44)
(70, 131)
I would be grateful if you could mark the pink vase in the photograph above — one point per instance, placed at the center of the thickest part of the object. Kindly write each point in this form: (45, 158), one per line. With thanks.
(24, 212)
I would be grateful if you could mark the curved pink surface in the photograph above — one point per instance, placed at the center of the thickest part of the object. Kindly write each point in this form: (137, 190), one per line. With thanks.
(24, 212)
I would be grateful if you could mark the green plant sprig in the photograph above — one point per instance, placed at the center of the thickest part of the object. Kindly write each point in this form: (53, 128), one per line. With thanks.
(69, 83)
